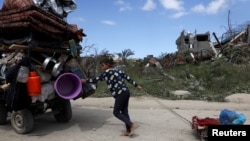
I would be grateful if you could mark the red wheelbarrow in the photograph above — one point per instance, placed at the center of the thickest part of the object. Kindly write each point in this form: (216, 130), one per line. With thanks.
(200, 125)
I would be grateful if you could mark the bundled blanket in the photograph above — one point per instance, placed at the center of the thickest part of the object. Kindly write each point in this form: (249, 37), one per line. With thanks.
(43, 24)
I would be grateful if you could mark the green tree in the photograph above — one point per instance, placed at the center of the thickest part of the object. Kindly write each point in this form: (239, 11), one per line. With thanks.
(125, 54)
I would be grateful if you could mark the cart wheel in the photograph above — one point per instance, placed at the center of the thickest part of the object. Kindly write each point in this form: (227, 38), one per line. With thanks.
(203, 139)
(22, 121)
(3, 114)
(203, 135)
(63, 111)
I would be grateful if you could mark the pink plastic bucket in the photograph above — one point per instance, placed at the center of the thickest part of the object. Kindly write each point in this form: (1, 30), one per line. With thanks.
(68, 85)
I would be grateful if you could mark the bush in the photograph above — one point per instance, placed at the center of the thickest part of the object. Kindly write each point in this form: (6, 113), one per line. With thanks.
(211, 81)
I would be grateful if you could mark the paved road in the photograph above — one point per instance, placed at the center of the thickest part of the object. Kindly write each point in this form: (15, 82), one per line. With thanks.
(159, 120)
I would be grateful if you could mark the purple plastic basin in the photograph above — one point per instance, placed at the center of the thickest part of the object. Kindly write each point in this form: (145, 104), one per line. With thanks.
(68, 85)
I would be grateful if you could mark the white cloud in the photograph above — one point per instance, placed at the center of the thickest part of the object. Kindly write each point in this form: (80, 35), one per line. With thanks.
(176, 6)
(173, 4)
(212, 8)
(199, 8)
(215, 6)
(179, 14)
(149, 5)
(123, 5)
(108, 22)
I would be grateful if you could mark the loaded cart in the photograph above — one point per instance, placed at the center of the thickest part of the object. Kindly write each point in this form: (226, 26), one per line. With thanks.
(39, 51)
(200, 126)
(226, 117)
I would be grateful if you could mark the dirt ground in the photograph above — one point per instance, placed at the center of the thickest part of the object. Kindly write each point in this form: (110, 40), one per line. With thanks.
(158, 120)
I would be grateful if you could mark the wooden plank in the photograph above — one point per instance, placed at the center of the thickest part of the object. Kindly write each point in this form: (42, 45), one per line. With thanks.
(18, 47)
(36, 49)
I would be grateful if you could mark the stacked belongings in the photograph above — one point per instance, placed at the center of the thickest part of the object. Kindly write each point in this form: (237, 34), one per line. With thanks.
(34, 36)
(15, 24)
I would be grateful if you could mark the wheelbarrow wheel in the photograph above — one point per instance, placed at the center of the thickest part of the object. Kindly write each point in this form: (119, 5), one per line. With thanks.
(203, 139)
(63, 111)
(22, 121)
(3, 114)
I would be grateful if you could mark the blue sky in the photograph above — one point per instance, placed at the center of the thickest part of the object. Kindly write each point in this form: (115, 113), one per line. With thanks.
(151, 27)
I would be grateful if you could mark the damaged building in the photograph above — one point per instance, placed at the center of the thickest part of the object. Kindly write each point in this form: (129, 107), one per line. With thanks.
(199, 45)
